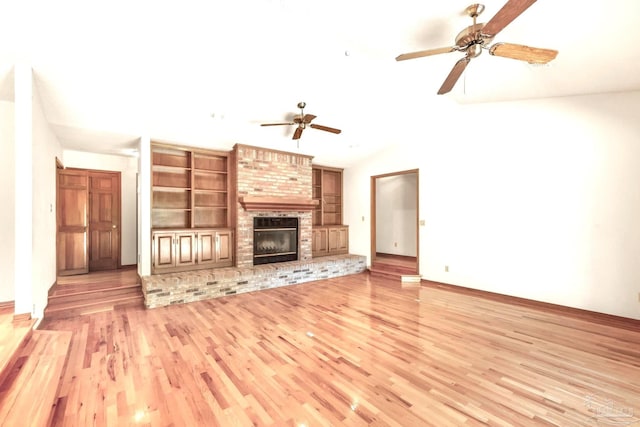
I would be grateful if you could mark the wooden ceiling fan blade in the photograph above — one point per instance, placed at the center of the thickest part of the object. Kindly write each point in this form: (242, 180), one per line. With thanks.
(454, 75)
(510, 11)
(325, 128)
(276, 124)
(532, 55)
(422, 53)
(298, 133)
(307, 118)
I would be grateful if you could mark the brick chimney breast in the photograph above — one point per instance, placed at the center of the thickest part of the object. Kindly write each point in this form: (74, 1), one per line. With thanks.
(276, 175)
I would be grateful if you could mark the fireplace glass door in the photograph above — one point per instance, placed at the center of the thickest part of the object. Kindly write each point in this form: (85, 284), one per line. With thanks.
(275, 240)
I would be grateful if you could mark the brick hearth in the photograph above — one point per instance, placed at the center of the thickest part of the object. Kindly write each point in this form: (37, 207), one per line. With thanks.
(176, 288)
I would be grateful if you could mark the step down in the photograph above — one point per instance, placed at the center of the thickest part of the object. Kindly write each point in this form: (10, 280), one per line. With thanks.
(91, 293)
(391, 271)
(66, 309)
(61, 297)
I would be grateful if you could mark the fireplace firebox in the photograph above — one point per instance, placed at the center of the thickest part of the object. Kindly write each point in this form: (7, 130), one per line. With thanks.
(275, 239)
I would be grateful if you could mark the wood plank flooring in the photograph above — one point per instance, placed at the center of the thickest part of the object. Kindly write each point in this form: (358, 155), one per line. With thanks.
(31, 387)
(351, 351)
(13, 336)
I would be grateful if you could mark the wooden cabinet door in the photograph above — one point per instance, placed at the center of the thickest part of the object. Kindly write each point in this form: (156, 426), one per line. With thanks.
(73, 194)
(338, 240)
(163, 250)
(104, 220)
(185, 249)
(224, 249)
(206, 247)
(319, 242)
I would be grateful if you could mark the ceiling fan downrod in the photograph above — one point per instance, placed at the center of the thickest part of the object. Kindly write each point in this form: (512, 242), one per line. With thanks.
(301, 106)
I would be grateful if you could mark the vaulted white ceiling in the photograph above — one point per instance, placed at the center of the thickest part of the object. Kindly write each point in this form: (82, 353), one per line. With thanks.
(207, 73)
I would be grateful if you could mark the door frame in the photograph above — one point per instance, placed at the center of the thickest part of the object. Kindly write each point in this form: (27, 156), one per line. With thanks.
(373, 212)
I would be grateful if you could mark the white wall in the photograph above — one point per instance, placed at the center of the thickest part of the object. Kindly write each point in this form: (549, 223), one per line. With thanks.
(128, 168)
(396, 214)
(24, 284)
(144, 206)
(7, 214)
(538, 199)
(46, 148)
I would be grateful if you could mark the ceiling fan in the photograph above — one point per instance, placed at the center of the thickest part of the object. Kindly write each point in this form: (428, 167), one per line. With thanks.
(303, 120)
(476, 37)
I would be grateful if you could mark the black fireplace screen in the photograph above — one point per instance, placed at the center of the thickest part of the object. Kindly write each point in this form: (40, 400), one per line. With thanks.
(275, 239)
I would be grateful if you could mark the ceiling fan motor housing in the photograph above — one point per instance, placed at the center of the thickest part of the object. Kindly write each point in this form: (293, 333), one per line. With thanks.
(471, 40)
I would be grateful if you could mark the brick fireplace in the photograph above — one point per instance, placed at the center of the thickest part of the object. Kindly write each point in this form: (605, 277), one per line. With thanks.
(269, 184)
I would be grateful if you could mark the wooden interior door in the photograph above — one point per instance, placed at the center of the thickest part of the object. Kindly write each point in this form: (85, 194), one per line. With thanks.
(73, 194)
(104, 220)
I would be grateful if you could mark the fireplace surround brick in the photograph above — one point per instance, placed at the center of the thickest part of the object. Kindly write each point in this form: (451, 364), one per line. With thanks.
(263, 172)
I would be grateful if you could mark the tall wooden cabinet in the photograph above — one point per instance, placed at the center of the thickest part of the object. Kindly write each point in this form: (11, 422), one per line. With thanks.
(190, 209)
(330, 236)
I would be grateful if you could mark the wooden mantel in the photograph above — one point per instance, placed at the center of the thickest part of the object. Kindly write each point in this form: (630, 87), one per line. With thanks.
(271, 203)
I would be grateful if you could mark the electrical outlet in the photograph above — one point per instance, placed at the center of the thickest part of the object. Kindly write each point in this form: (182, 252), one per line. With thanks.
(446, 268)
(395, 244)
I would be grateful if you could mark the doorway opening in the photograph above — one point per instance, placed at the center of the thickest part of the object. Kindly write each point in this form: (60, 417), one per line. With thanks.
(394, 223)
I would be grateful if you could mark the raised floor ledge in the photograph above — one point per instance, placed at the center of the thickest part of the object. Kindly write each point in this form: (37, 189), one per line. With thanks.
(188, 286)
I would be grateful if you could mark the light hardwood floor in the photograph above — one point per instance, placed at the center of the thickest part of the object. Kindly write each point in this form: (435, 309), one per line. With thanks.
(351, 351)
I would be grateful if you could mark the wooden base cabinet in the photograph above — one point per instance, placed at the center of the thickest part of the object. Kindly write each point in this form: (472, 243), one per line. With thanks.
(215, 248)
(330, 240)
(180, 250)
(173, 250)
(320, 242)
